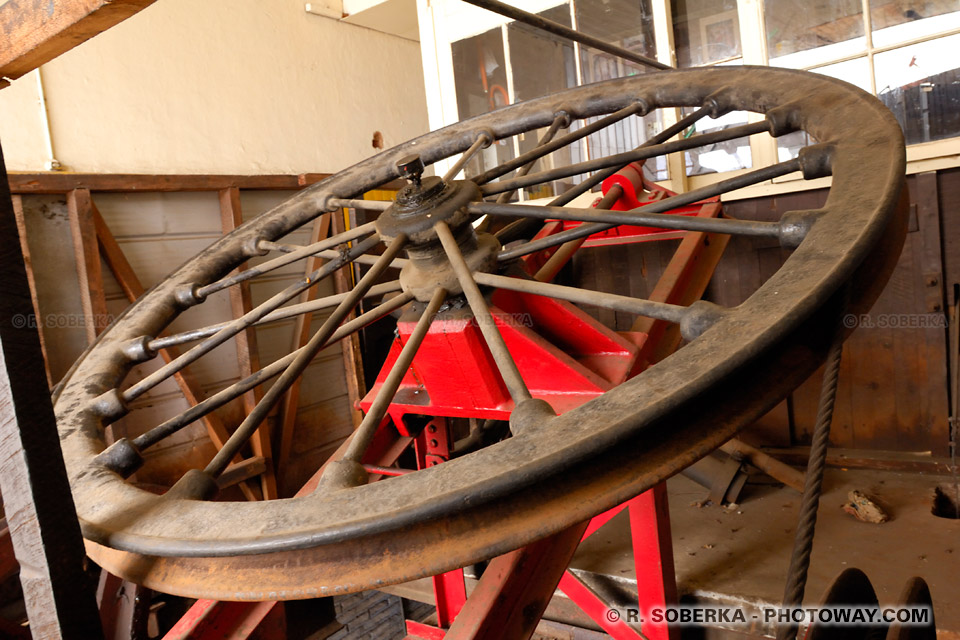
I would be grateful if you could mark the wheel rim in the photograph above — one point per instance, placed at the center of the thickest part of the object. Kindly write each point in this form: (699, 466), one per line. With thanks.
(552, 474)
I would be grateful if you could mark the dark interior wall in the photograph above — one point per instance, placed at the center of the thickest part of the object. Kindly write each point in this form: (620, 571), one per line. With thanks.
(893, 392)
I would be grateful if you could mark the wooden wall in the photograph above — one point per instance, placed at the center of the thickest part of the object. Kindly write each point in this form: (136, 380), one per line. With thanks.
(893, 392)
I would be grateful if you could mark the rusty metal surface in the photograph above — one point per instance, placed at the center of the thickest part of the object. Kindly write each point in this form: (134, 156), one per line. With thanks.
(553, 474)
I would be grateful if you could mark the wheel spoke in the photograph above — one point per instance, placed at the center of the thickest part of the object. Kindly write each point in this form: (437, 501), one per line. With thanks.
(280, 314)
(281, 261)
(559, 143)
(709, 191)
(352, 203)
(364, 434)
(250, 424)
(520, 227)
(398, 263)
(488, 327)
(636, 217)
(620, 159)
(561, 120)
(246, 320)
(649, 308)
(484, 140)
(239, 388)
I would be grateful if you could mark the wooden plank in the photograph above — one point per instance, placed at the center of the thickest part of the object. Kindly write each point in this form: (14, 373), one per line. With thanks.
(231, 217)
(62, 182)
(83, 231)
(28, 265)
(133, 289)
(350, 347)
(36, 32)
(301, 334)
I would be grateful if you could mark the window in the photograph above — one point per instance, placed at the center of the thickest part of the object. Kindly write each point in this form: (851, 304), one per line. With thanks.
(903, 52)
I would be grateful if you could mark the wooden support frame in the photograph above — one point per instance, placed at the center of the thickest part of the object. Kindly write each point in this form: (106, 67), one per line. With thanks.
(133, 289)
(343, 281)
(37, 32)
(28, 265)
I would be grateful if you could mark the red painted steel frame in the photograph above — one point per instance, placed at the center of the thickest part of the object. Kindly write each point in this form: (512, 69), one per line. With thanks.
(566, 357)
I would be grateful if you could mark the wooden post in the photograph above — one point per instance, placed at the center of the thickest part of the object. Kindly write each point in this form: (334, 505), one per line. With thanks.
(28, 265)
(231, 217)
(350, 347)
(92, 299)
(301, 334)
(37, 501)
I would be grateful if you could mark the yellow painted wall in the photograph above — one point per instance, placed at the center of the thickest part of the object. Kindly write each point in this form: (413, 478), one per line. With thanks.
(219, 86)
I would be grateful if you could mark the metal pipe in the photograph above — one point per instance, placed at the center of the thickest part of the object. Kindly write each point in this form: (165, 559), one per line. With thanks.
(491, 335)
(558, 29)
(709, 191)
(639, 306)
(364, 434)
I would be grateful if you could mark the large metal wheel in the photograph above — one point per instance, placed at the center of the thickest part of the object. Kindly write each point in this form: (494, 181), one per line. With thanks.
(556, 470)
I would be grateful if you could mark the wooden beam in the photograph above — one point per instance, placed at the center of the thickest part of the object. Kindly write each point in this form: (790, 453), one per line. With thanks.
(82, 229)
(28, 264)
(350, 347)
(36, 32)
(241, 471)
(58, 182)
(301, 334)
(133, 289)
(248, 355)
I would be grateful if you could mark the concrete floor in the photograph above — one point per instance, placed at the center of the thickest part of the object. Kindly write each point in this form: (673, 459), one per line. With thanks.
(740, 555)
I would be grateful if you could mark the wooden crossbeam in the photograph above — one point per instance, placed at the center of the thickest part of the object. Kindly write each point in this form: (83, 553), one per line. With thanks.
(36, 32)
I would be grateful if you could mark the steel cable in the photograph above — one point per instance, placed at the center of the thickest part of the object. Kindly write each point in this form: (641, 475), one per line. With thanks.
(813, 484)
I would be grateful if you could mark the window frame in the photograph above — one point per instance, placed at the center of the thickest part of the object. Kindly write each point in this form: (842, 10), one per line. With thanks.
(434, 16)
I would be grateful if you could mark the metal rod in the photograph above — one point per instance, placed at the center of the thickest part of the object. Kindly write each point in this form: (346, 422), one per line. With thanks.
(364, 434)
(551, 146)
(498, 348)
(561, 120)
(637, 217)
(659, 310)
(555, 262)
(520, 227)
(680, 125)
(483, 140)
(620, 159)
(281, 261)
(282, 313)
(352, 203)
(558, 29)
(250, 424)
(246, 320)
(237, 389)
(328, 254)
(709, 191)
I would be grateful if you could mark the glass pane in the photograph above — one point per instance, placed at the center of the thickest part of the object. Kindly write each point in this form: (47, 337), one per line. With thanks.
(801, 33)
(896, 20)
(921, 85)
(480, 76)
(856, 72)
(705, 31)
(625, 23)
(722, 156)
